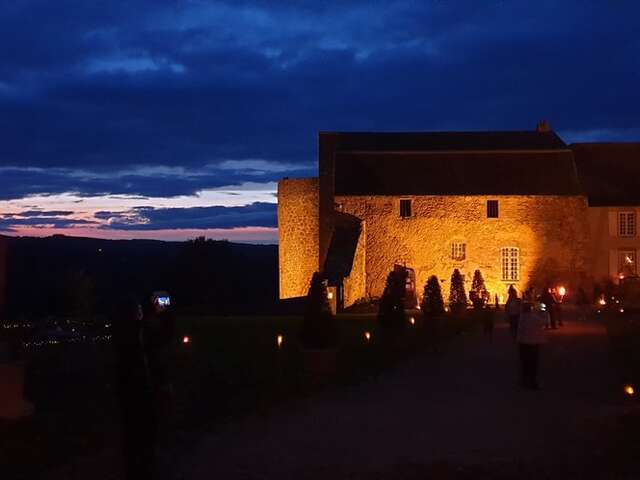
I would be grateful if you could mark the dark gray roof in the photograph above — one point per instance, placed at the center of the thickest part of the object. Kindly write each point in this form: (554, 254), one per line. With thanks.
(499, 173)
(609, 172)
(451, 163)
(444, 141)
(342, 248)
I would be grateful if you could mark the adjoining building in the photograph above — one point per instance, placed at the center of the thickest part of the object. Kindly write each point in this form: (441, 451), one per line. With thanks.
(523, 207)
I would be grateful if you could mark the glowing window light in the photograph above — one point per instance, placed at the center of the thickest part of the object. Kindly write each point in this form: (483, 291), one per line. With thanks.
(629, 390)
(186, 339)
(279, 341)
(330, 295)
(367, 336)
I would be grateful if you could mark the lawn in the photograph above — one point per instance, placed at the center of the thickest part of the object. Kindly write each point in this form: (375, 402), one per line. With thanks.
(231, 367)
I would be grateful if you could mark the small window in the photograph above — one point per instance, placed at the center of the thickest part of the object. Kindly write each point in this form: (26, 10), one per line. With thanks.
(405, 208)
(510, 264)
(626, 224)
(458, 251)
(627, 263)
(492, 208)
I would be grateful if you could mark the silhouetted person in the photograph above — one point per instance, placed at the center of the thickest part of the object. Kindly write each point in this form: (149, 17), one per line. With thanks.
(513, 308)
(550, 303)
(159, 337)
(530, 336)
(134, 390)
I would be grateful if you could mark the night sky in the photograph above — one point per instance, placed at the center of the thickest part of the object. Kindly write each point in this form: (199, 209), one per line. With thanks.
(171, 119)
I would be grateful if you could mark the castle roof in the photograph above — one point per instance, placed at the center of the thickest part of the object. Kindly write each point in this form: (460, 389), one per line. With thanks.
(609, 172)
(451, 163)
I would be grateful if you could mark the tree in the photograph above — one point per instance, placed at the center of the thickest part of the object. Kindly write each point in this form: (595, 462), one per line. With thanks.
(478, 293)
(457, 295)
(319, 329)
(391, 312)
(432, 302)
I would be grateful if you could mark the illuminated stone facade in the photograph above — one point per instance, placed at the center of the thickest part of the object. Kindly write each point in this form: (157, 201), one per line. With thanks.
(349, 223)
(548, 231)
(298, 235)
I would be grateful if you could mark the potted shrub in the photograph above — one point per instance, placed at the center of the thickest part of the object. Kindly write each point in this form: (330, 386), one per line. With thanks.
(478, 294)
(457, 294)
(319, 334)
(432, 310)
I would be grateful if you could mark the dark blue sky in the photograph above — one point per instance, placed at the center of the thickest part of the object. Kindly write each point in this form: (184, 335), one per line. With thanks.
(177, 116)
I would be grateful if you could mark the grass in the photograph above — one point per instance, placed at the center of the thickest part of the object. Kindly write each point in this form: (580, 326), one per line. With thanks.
(231, 367)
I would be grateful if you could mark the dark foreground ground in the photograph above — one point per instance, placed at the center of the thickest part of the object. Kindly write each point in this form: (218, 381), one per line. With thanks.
(457, 413)
(460, 414)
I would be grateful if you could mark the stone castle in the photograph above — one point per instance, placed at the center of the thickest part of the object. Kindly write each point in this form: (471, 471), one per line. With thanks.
(523, 207)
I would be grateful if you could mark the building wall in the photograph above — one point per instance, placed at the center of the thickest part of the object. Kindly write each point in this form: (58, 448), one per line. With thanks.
(606, 243)
(550, 231)
(298, 235)
(355, 285)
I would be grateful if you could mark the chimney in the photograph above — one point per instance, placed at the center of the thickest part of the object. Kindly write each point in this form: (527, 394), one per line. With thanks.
(543, 126)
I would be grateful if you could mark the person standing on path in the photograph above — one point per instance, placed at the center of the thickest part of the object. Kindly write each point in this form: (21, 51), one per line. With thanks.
(549, 305)
(513, 308)
(530, 337)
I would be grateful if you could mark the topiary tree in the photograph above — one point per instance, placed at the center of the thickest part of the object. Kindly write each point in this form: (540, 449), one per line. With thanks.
(478, 293)
(319, 328)
(432, 302)
(457, 295)
(391, 312)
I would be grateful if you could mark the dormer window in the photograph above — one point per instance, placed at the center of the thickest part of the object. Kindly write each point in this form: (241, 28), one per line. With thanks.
(405, 208)
(492, 209)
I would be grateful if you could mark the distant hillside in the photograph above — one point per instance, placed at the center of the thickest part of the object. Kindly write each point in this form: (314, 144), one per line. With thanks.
(62, 275)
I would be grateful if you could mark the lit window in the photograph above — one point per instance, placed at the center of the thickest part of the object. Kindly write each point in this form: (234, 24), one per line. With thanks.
(492, 208)
(458, 251)
(626, 224)
(405, 208)
(627, 262)
(510, 264)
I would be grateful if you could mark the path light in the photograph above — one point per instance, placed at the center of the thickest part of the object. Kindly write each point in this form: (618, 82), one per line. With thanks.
(602, 301)
(628, 389)
(621, 310)
(412, 320)
(186, 340)
(367, 336)
(279, 341)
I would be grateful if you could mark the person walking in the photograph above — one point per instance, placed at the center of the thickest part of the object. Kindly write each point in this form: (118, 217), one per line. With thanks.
(530, 337)
(513, 309)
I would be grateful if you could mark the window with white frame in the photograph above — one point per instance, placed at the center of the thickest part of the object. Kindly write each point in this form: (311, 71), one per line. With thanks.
(510, 263)
(627, 262)
(626, 224)
(458, 251)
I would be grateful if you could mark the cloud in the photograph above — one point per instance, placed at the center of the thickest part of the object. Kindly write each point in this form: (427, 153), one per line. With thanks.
(215, 217)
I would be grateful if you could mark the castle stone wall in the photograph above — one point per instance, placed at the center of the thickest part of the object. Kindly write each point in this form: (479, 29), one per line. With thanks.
(551, 233)
(298, 235)
(355, 285)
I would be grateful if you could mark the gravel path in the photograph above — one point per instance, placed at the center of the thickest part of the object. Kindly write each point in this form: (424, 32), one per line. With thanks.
(457, 413)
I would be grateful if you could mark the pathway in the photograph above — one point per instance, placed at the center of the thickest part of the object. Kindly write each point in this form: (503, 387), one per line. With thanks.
(462, 409)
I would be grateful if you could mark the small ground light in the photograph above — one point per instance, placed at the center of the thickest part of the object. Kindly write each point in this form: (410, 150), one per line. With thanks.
(412, 321)
(186, 340)
(628, 389)
(279, 340)
(562, 291)
(367, 336)
(602, 301)
(621, 310)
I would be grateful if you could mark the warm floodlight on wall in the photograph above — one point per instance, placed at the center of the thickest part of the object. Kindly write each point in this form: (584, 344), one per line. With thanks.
(629, 390)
